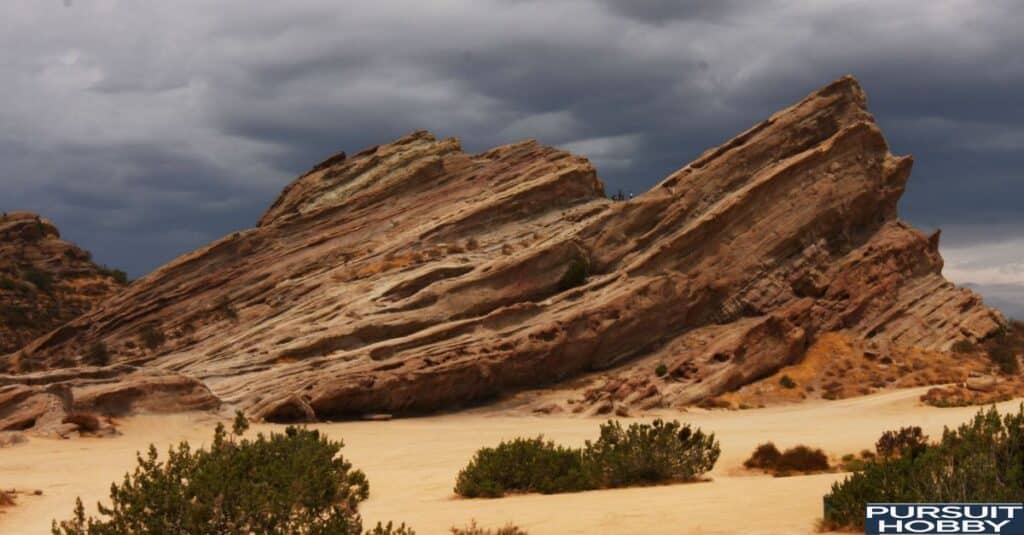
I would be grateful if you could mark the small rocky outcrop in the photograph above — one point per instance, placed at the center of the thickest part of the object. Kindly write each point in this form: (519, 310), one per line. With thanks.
(412, 277)
(44, 281)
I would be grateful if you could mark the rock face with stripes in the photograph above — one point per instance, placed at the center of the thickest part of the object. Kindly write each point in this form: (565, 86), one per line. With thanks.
(412, 277)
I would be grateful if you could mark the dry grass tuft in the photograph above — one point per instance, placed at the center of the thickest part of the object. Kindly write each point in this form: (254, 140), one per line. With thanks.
(474, 529)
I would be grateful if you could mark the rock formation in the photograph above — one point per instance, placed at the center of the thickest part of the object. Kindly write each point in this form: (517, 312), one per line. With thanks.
(44, 281)
(414, 277)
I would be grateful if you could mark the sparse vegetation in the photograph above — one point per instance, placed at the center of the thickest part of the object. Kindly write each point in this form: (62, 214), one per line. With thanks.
(798, 459)
(474, 529)
(390, 529)
(661, 370)
(290, 483)
(787, 382)
(39, 278)
(853, 463)
(575, 274)
(765, 457)
(116, 274)
(978, 462)
(14, 316)
(97, 354)
(1004, 347)
(152, 337)
(226, 309)
(907, 441)
(637, 455)
(964, 346)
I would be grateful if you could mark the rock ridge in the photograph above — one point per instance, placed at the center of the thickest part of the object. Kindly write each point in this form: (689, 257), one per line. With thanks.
(413, 277)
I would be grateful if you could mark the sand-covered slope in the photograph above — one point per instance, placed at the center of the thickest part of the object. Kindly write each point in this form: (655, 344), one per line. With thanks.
(413, 276)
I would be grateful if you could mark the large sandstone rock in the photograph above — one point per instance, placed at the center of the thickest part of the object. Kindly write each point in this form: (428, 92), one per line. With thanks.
(44, 281)
(413, 276)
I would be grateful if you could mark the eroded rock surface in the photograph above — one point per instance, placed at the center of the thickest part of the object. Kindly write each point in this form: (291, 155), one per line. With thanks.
(414, 277)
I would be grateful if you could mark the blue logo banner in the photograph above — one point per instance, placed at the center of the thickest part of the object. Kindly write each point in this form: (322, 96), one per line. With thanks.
(946, 518)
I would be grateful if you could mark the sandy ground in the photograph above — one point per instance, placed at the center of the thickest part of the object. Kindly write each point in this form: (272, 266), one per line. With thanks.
(412, 464)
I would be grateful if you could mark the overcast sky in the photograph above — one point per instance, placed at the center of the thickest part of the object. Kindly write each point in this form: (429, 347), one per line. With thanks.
(145, 129)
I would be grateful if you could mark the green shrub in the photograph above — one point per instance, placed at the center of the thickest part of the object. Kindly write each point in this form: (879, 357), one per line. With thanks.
(98, 355)
(644, 454)
(152, 337)
(661, 370)
(39, 278)
(907, 441)
(981, 461)
(523, 465)
(640, 454)
(787, 382)
(575, 274)
(290, 483)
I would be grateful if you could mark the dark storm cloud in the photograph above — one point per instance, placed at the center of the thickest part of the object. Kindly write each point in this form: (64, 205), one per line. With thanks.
(146, 130)
(666, 11)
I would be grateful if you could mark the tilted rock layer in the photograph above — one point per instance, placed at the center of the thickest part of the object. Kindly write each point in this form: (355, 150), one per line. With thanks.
(413, 277)
(44, 281)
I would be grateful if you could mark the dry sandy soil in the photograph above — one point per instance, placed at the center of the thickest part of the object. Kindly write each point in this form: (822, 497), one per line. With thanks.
(412, 465)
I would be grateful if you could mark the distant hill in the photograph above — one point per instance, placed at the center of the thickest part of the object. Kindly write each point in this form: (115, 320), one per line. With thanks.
(44, 281)
(414, 277)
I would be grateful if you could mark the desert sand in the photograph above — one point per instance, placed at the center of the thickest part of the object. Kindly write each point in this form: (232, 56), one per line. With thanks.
(412, 464)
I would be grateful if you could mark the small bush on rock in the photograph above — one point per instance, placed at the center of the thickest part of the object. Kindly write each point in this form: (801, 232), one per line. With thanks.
(98, 355)
(39, 278)
(637, 455)
(152, 337)
(575, 274)
(787, 382)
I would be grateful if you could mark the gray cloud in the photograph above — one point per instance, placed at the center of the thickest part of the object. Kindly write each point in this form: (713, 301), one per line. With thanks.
(147, 129)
